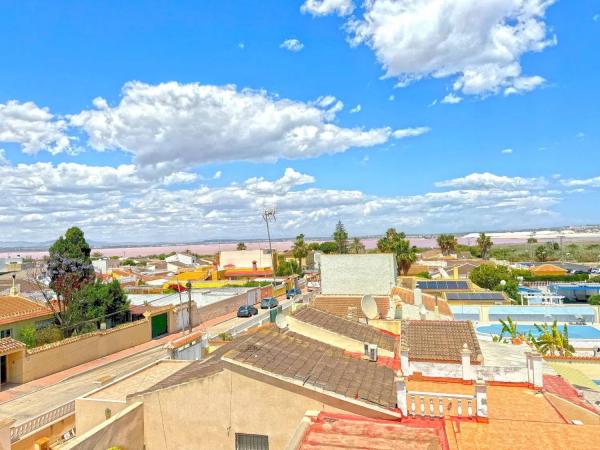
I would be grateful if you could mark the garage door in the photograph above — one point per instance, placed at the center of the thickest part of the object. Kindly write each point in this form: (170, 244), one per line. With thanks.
(159, 325)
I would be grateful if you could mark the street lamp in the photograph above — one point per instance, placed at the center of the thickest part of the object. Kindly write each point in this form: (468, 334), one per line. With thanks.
(268, 215)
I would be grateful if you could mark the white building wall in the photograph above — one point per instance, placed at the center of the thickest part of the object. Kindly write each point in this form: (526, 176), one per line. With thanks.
(244, 258)
(362, 274)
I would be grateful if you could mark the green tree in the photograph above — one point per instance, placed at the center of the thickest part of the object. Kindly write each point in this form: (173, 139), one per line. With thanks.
(300, 249)
(497, 278)
(541, 253)
(98, 302)
(241, 246)
(70, 269)
(340, 237)
(447, 243)
(328, 247)
(396, 243)
(129, 262)
(356, 246)
(72, 245)
(287, 267)
(484, 242)
(532, 240)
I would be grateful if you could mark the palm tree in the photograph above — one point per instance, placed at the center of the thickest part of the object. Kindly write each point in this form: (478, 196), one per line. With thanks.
(396, 243)
(551, 340)
(241, 246)
(356, 246)
(484, 243)
(447, 243)
(509, 327)
(300, 249)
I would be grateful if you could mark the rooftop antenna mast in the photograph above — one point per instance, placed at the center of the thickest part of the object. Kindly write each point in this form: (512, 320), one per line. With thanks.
(268, 215)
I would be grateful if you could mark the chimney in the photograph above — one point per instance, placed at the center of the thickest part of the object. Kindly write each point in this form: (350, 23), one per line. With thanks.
(465, 356)
(401, 401)
(481, 398)
(418, 295)
(372, 352)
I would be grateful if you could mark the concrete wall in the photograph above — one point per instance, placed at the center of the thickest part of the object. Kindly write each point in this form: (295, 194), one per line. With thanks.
(226, 306)
(52, 358)
(124, 430)
(91, 412)
(207, 413)
(373, 274)
(331, 338)
(53, 432)
(244, 258)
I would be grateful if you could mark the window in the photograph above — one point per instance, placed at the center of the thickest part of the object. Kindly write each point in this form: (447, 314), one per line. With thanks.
(43, 324)
(5, 333)
(251, 442)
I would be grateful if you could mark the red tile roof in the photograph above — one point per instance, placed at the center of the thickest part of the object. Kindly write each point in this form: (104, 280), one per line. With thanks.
(9, 345)
(15, 308)
(331, 431)
(558, 386)
(439, 340)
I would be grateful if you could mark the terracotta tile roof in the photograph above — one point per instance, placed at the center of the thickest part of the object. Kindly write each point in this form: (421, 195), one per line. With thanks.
(338, 305)
(348, 328)
(547, 268)
(439, 340)
(558, 386)
(14, 308)
(352, 432)
(9, 345)
(313, 363)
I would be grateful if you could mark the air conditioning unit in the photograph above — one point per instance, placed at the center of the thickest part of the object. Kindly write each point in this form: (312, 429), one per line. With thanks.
(597, 351)
(372, 352)
(366, 348)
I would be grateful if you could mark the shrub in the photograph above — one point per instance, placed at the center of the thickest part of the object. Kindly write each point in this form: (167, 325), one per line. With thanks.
(27, 336)
(225, 336)
(594, 300)
(48, 335)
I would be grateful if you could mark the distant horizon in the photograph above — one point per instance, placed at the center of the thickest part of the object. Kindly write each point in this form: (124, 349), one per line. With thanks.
(424, 240)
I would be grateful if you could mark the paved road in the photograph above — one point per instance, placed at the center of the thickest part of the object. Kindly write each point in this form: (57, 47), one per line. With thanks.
(38, 402)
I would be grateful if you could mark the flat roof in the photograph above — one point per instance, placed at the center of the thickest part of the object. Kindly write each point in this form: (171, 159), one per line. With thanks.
(139, 381)
(202, 297)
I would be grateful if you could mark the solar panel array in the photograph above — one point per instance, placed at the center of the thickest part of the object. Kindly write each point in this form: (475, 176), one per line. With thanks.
(474, 296)
(443, 285)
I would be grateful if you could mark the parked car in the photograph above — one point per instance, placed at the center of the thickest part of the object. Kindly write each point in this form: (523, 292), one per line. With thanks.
(293, 292)
(247, 311)
(268, 303)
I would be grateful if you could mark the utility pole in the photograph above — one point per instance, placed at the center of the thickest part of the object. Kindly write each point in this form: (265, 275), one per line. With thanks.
(188, 285)
(268, 215)
(180, 308)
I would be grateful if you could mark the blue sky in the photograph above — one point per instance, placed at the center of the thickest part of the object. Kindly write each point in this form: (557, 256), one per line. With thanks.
(169, 138)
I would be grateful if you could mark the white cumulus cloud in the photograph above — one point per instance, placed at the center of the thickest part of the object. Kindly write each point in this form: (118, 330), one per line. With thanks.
(451, 99)
(492, 181)
(325, 7)
(356, 109)
(477, 43)
(32, 127)
(173, 125)
(293, 45)
(506, 151)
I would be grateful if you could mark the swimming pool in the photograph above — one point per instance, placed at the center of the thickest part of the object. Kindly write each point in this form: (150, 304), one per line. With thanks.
(575, 331)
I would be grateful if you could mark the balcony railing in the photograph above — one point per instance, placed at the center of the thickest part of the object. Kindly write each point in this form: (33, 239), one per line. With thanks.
(41, 421)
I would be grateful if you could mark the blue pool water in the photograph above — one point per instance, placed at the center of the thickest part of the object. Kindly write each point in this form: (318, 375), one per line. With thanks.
(575, 331)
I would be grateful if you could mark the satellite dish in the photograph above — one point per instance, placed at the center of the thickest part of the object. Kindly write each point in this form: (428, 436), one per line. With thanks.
(369, 307)
(281, 321)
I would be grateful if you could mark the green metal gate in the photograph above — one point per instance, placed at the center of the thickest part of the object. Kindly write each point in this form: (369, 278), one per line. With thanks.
(159, 325)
